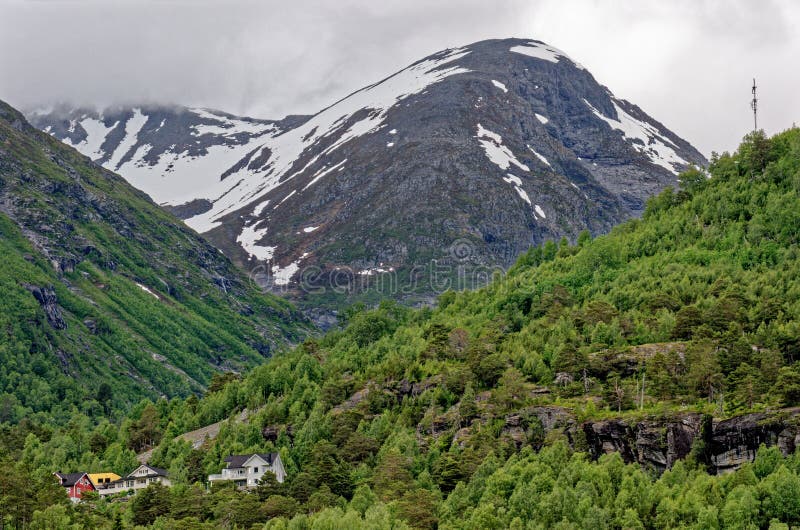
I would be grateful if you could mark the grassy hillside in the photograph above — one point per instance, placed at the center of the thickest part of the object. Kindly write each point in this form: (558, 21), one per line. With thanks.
(106, 299)
(403, 417)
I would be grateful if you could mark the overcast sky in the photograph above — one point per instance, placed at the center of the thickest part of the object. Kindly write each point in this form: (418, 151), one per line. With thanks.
(688, 63)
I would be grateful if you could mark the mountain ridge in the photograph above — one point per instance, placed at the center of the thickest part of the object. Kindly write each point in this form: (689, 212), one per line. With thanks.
(101, 285)
(501, 143)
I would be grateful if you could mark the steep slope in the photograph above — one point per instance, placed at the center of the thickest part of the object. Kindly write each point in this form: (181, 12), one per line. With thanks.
(466, 157)
(466, 414)
(100, 285)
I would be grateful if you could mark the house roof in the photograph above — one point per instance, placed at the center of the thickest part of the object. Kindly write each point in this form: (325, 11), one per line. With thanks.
(155, 472)
(158, 471)
(235, 461)
(95, 477)
(69, 479)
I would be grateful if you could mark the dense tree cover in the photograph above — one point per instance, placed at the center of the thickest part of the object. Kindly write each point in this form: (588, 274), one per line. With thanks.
(552, 488)
(137, 306)
(401, 414)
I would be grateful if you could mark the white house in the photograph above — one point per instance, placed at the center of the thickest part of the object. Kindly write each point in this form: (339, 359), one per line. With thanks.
(138, 479)
(246, 470)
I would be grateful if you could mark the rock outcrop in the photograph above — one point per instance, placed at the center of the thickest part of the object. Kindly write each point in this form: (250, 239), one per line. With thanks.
(46, 296)
(657, 443)
(735, 441)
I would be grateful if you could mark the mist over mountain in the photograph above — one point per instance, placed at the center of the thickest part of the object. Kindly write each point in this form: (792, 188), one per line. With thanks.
(509, 298)
(492, 147)
(101, 286)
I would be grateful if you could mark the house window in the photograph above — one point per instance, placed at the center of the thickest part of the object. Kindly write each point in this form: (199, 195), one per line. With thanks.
(255, 470)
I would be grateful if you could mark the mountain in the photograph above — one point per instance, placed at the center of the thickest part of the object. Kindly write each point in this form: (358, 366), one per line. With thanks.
(596, 385)
(104, 289)
(467, 157)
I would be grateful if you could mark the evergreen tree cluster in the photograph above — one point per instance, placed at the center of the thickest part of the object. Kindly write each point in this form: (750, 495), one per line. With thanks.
(399, 419)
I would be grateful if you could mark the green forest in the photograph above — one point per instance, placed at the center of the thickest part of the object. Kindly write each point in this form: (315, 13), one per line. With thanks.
(107, 299)
(400, 418)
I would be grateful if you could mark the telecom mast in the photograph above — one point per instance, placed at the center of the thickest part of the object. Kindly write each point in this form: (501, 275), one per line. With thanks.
(754, 106)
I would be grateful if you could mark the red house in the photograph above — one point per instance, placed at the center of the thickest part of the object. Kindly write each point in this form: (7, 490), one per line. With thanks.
(75, 484)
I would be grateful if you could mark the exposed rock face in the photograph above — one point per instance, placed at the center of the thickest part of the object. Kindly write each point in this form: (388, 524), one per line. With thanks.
(659, 443)
(531, 425)
(552, 418)
(46, 296)
(611, 436)
(467, 157)
(735, 441)
(656, 444)
(189, 209)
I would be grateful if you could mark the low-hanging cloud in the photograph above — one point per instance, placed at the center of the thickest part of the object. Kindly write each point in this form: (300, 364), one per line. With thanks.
(688, 63)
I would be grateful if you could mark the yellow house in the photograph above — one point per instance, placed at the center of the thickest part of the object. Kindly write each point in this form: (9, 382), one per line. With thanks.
(102, 480)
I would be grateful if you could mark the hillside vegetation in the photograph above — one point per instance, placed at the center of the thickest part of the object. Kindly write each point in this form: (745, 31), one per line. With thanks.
(400, 417)
(106, 299)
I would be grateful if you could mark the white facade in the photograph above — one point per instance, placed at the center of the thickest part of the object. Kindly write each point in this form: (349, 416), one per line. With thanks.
(246, 470)
(138, 479)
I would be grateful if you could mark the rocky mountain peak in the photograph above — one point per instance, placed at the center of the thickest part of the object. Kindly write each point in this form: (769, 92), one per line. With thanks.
(486, 149)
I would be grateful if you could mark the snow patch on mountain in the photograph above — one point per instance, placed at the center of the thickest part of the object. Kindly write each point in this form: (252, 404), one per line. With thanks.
(260, 208)
(522, 193)
(335, 121)
(284, 199)
(148, 291)
(132, 128)
(517, 182)
(499, 154)
(96, 132)
(249, 238)
(283, 275)
(228, 126)
(541, 118)
(644, 137)
(170, 174)
(499, 85)
(323, 172)
(539, 156)
(545, 52)
(166, 178)
(375, 270)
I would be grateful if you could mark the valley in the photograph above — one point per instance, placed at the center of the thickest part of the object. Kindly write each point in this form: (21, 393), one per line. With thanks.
(293, 266)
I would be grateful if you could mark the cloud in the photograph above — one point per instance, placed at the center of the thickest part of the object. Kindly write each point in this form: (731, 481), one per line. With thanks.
(688, 63)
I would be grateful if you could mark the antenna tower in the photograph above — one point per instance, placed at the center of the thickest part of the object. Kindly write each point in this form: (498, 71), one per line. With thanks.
(754, 106)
